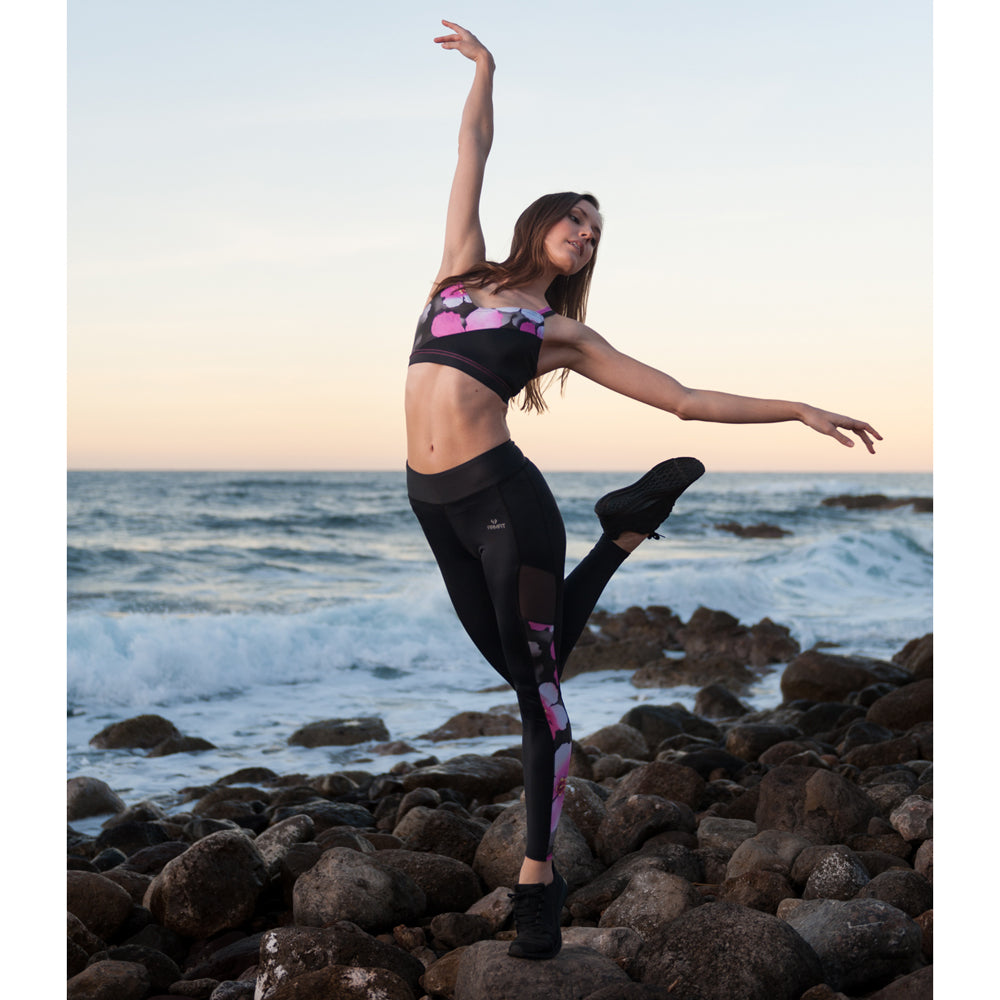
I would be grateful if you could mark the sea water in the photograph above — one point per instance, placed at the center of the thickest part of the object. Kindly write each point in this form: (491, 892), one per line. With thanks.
(242, 606)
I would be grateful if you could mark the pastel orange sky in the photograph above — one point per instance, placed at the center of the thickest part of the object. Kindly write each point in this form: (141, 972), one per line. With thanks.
(256, 210)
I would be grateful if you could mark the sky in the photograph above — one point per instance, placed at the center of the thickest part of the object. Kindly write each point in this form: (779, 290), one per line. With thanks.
(256, 197)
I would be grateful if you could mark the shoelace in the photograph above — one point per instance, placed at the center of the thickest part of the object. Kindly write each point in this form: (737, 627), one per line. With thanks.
(528, 902)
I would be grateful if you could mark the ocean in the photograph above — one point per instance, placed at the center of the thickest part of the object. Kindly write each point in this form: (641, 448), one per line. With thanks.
(243, 605)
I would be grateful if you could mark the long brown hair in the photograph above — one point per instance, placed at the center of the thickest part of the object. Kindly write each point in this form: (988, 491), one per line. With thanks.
(567, 294)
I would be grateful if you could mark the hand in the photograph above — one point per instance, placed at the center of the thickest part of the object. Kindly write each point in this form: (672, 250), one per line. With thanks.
(463, 40)
(827, 423)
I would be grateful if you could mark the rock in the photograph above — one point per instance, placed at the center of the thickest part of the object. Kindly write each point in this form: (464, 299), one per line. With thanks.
(346, 885)
(925, 921)
(651, 899)
(453, 930)
(233, 989)
(626, 741)
(726, 834)
(447, 883)
(917, 985)
(917, 656)
(862, 943)
(657, 722)
(467, 725)
(140, 733)
(830, 872)
(629, 823)
(905, 707)
(100, 905)
(819, 676)
(764, 958)
(288, 952)
(717, 702)
(759, 889)
(923, 861)
(710, 761)
(473, 775)
(225, 960)
(496, 906)
(440, 831)
(884, 752)
(162, 970)
(273, 843)
(694, 672)
(753, 530)
(501, 851)
(486, 970)
(212, 886)
(151, 860)
(130, 837)
(877, 501)
(819, 805)
(749, 740)
(90, 797)
(913, 818)
(665, 779)
(338, 982)
(621, 944)
(440, 977)
(78, 933)
(906, 890)
(109, 981)
(634, 991)
(180, 744)
(584, 805)
(716, 633)
(339, 732)
(769, 850)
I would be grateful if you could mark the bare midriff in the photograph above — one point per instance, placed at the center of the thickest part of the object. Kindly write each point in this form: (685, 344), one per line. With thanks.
(450, 418)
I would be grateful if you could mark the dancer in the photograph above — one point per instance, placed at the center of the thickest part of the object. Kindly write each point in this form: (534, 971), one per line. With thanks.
(490, 332)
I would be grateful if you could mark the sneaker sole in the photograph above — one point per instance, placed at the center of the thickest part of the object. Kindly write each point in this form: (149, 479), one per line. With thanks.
(649, 499)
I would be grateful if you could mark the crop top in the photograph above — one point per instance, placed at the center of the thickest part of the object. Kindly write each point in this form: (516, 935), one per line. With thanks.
(497, 346)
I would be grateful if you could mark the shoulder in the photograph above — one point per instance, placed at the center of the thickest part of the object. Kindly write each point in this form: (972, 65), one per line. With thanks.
(563, 330)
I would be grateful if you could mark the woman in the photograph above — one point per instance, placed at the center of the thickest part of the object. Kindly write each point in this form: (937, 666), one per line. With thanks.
(488, 332)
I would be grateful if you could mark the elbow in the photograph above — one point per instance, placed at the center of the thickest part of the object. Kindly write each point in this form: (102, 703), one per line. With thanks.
(683, 406)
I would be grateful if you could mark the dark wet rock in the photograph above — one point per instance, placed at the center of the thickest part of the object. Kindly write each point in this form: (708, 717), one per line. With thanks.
(180, 744)
(749, 740)
(917, 656)
(612, 766)
(151, 860)
(130, 837)
(830, 871)
(90, 797)
(634, 991)
(339, 732)
(486, 970)
(828, 717)
(501, 851)
(448, 884)
(765, 958)
(274, 842)
(709, 761)
(134, 883)
(818, 676)
(225, 958)
(905, 707)
(233, 990)
(658, 722)
(346, 885)
(819, 805)
(665, 779)
(142, 732)
(100, 905)
(108, 858)
(696, 672)
(884, 752)
(605, 654)
(716, 633)
(109, 980)
(453, 930)
(631, 821)
(212, 886)
(862, 943)
(162, 970)
(249, 775)
(769, 850)
(795, 752)
(906, 890)
(325, 814)
(878, 501)
(199, 828)
(225, 794)
(467, 725)
(441, 832)
(923, 861)
(288, 952)
(759, 889)
(626, 741)
(338, 982)
(585, 806)
(717, 702)
(428, 797)
(473, 775)
(761, 530)
(913, 818)
(917, 985)
(651, 899)
(725, 834)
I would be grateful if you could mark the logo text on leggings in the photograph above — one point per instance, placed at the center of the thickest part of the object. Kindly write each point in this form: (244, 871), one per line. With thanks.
(495, 525)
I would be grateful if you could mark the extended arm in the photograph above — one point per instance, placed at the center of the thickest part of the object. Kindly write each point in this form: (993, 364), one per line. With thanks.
(582, 350)
(463, 241)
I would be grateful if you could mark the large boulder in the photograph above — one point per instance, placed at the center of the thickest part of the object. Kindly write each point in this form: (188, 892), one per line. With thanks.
(440, 831)
(651, 899)
(142, 732)
(764, 959)
(473, 775)
(449, 884)
(862, 943)
(100, 905)
(347, 885)
(468, 725)
(109, 980)
(211, 887)
(905, 707)
(818, 676)
(339, 732)
(90, 797)
(339, 982)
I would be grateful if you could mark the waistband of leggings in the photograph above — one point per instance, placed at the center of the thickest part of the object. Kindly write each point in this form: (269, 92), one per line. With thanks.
(470, 477)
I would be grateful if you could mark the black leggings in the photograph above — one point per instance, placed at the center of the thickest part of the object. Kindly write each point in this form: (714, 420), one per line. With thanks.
(496, 533)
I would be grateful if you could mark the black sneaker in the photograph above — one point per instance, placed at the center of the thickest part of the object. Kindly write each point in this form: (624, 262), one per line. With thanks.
(644, 505)
(537, 909)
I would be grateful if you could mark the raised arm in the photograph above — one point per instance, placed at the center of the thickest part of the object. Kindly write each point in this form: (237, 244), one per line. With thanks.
(581, 349)
(463, 237)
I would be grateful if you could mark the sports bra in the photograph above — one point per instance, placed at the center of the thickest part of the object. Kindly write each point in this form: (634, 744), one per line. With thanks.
(497, 346)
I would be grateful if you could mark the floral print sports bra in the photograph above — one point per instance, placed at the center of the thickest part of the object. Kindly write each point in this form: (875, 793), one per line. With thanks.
(497, 346)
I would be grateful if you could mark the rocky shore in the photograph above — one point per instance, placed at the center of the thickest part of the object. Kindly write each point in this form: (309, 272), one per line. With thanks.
(720, 854)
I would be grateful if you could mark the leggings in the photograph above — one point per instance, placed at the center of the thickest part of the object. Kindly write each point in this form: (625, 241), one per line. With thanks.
(499, 541)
